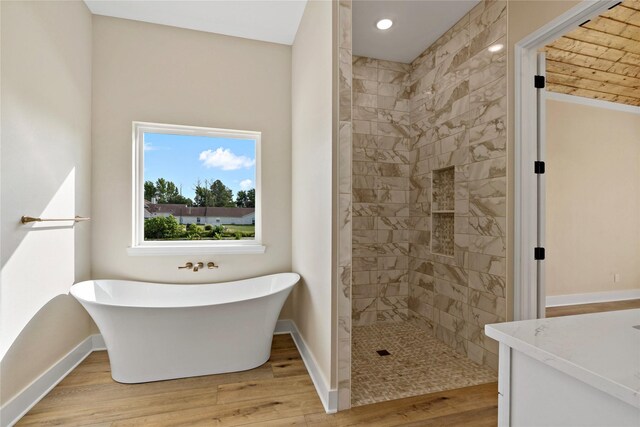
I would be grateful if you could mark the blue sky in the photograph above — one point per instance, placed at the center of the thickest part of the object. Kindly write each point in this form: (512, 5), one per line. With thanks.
(184, 159)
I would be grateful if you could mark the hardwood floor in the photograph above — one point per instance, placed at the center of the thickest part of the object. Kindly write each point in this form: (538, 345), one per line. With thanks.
(569, 310)
(470, 406)
(278, 393)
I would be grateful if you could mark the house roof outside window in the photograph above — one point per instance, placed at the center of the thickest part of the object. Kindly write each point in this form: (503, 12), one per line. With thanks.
(182, 210)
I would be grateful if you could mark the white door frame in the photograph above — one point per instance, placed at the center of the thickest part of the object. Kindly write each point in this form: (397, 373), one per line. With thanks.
(526, 134)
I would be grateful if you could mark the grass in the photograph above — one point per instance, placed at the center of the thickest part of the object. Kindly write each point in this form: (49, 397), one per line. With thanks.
(232, 228)
(241, 228)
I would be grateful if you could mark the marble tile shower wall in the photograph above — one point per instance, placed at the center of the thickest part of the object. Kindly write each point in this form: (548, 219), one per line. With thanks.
(344, 203)
(458, 110)
(446, 109)
(381, 143)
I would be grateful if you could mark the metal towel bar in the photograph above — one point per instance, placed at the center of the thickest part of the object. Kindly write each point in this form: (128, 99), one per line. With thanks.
(28, 219)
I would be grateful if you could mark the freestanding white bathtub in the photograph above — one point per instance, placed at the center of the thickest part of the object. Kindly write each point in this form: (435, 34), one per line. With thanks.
(158, 332)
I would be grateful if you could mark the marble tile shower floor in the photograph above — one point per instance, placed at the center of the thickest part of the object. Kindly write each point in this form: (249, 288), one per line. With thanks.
(417, 364)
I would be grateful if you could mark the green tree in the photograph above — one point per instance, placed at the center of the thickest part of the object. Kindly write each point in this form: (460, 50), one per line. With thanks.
(172, 192)
(179, 199)
(203, 195)
(222, 195)
(161, 227)
(251, 194)
(242, 199)
(246, 199)
(165, 192)
(161, 190)
(149, 190)
(213, 194)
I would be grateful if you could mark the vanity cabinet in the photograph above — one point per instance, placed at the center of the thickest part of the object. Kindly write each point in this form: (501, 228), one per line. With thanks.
(569, 371)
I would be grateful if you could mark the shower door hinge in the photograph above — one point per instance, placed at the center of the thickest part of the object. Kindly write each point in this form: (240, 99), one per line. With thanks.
(539, 82)
(538, 167)
(538, 254)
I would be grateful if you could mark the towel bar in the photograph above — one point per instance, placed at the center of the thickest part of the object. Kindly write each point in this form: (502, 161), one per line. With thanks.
(28, 219)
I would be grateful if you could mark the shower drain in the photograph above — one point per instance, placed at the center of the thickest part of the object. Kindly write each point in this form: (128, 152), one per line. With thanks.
(383, 353)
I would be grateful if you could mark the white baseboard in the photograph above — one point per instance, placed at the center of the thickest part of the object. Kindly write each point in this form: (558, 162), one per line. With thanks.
(574, 299)
(328, 396)
(98, 342)
(20, 404)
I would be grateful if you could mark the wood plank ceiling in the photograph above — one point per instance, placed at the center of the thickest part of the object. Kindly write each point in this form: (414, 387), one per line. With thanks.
(601, 58)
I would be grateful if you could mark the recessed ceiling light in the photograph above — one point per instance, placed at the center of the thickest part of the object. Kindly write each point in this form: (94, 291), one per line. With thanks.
(384, 24)
(496, 47)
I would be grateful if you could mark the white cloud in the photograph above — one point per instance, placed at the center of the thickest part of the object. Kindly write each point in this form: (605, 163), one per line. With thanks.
(225, 159)
(246, 184)
(149, 147)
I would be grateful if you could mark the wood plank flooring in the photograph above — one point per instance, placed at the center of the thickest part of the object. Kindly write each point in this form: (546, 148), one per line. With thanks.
(278, 393)
(569, 310)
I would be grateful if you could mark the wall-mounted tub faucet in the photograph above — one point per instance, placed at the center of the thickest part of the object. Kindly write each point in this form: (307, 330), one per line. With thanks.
(188, 266)
(198, 266)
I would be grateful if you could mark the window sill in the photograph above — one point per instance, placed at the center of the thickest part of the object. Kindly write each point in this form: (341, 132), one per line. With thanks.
(195, 250)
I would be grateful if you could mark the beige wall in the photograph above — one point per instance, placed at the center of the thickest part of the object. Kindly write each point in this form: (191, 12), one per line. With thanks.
(155, 73)
(593, 199)
(45, 171)
(312, 110)
(523, 18)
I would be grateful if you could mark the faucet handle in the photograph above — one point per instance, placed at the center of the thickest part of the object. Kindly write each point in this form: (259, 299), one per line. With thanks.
(211, 265)
(188, 265)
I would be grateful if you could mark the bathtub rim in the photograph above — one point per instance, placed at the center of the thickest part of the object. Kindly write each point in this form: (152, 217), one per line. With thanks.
(286, 288)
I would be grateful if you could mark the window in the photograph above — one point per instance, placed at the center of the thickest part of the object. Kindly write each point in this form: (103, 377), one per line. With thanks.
(196, 190)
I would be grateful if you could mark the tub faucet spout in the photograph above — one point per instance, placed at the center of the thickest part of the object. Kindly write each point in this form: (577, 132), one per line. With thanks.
(188, 265)
(198, 266)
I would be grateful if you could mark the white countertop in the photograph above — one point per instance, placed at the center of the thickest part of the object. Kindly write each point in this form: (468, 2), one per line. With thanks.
(601, 349)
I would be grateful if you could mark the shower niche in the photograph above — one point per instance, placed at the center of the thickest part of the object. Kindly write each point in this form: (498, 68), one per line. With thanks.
(442, 211)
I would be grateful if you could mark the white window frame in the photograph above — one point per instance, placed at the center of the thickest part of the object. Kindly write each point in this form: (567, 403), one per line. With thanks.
(140, 247)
